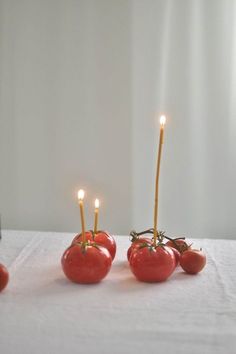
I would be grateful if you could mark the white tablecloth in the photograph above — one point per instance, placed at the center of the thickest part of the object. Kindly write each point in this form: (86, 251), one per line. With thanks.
(42, 312)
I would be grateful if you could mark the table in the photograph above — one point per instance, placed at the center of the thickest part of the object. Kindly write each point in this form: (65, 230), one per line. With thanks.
(42, 312)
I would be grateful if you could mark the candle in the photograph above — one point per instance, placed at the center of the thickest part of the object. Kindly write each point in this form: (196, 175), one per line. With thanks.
(81, 205)
(161, 141)
(96, 215)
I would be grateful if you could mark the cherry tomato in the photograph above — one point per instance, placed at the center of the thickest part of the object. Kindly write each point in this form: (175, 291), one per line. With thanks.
(135, 245)
(4, 277)
(193, 261)
(101, 238)
(150, 264)
(180, 245)
(86, 263)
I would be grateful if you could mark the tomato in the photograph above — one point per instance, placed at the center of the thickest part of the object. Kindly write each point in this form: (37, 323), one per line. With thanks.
(79, 238)
(4, 277)
(150, 264)
(193, 261)
(104, 239)
(177, 255)
(101, 238)
(180, 245)
(135, 245)
(86, 264)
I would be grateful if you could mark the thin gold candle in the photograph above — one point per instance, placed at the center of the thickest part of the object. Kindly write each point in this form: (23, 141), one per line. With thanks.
(81, 205)
(161, 141)
(96, 215)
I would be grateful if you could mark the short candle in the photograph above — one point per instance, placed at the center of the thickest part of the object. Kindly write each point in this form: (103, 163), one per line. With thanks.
(96, 215)
(81, 205)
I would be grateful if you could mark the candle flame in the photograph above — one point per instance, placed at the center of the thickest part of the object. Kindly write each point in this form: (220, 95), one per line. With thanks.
(97, 203)
(81, 194)
(162, 121)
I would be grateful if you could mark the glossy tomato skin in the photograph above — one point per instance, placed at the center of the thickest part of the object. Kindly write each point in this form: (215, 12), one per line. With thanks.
(78, 237)
(151, 264)
(180, 245)
(177, 255)
(86, 265)
(4, 277)
(136, 244)
(102, 238)
(193, 261)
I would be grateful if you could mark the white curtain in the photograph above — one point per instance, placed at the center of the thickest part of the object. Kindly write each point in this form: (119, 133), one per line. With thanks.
(184, 55)
(81, 85)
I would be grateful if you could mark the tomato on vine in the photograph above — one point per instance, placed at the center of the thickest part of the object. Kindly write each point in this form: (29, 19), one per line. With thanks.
(136, 244)
(153, 263)
(193, 261)
(179, 244)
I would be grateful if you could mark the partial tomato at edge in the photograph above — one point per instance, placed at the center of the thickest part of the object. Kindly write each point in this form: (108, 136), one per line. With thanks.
(4, 277)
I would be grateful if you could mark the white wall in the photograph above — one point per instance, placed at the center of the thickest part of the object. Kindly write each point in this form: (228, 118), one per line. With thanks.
(65, 112)
(80, 85)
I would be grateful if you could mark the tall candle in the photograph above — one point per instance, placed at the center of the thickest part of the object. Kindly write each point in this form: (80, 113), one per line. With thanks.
(81, 205)
(96, 215)
(161, 141)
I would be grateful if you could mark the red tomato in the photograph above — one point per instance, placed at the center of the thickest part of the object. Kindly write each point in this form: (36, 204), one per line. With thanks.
(86, 265)
(150, 264)
(135, 245)
(4, 277)
(78, 237)
(180, 245)
(102, 238)
(193, 261)
(177, 255)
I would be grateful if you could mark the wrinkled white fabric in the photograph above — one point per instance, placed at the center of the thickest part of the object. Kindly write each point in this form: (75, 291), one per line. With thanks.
(42, 312)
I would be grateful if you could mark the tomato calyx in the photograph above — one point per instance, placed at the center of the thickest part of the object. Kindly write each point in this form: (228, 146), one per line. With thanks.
(86, 244)
(148, 245)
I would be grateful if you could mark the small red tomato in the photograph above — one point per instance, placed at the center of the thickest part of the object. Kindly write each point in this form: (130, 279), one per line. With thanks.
(4, 277)
(102, 238)
(150, 264)
(193, 261)
(86, 264)
(135, 245)
(177, 255)
(180, 245)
